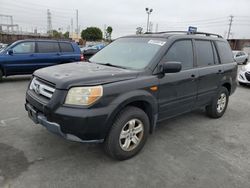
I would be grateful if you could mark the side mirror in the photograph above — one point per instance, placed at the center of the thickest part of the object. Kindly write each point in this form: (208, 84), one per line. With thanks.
(10, 52)
(171, 67)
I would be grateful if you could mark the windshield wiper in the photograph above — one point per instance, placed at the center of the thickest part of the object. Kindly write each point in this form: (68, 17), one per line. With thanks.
(112, 65)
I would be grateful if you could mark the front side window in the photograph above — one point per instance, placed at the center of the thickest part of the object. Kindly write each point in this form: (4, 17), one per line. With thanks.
(181, 51)
(132, 53)
(24, 47)
(47, 47)
(205, 56)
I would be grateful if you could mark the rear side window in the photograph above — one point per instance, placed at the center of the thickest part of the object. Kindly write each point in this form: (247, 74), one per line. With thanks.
(24, 47)
(205, 56)
(47, 47)
(181, 51)
(66, 47)
(225, 52)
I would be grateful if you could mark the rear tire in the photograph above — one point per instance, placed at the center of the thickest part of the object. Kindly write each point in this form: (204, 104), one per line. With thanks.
(245, 62)
(219, 104)
(128, 134)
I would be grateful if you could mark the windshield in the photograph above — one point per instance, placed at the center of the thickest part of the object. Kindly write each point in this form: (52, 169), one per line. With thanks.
(134, 53)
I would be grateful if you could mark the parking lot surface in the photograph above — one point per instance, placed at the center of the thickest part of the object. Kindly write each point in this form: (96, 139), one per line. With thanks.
(188, 151)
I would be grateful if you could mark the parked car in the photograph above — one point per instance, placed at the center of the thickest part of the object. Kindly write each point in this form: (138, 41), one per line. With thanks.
(26, 56)
(132, 84)
(88, 52)
(85, 48)
(240, 57)
(2, 46)
(244, 75)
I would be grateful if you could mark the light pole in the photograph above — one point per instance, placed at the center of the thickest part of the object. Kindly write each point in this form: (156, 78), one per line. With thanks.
(148, 11)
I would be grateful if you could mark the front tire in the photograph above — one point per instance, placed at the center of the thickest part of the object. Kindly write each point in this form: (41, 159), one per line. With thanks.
(219, 104)
(128, 134)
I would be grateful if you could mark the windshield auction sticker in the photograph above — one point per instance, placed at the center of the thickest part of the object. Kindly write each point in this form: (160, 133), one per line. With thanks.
(157, 42)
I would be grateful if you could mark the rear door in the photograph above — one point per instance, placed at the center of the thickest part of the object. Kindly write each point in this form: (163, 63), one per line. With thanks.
(21, 61)
(48, 54)
(178, 91)
(210, 71)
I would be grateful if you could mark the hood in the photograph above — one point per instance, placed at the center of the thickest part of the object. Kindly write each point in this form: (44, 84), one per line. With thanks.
(247, 67)
(83, 73)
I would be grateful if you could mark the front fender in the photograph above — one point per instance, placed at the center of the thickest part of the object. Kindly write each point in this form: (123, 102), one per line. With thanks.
(133, 96)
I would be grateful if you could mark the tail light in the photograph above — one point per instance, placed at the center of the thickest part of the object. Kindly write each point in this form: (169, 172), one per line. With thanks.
(82, 57)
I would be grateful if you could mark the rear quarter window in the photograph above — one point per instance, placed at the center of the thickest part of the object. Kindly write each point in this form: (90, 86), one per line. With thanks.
(66, 47)
(225, 52)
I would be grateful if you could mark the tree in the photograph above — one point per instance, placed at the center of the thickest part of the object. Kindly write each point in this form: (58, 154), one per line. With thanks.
(109, 31)
(139, 30)
(56, 34)
(91, 34)
(66, 35)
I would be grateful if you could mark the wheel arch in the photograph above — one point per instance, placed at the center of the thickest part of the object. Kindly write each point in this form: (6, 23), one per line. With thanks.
(228, 86)
(143, 100)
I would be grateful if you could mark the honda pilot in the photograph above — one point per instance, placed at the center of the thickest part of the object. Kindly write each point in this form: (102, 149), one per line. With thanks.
(127, 88)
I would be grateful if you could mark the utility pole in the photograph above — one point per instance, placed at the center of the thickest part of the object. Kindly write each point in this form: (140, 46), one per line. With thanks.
(49, 22)
(72, 29)
(230, 26)
(156, 28)
(77, 27)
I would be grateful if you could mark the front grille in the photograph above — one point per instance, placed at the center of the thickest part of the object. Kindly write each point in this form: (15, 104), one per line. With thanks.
(247, 74)
(42, 88)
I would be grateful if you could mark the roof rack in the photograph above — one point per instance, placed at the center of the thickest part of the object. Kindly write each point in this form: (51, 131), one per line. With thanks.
(186, 32)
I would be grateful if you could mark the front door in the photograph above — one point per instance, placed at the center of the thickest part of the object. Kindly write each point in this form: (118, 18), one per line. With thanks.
(178, 91)
(21, 61)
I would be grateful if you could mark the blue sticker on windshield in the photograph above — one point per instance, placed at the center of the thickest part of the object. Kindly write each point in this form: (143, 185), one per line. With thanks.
(157, 42)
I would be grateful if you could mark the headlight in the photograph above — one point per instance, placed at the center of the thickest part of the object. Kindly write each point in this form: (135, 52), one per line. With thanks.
(84, 95)
(243, 68)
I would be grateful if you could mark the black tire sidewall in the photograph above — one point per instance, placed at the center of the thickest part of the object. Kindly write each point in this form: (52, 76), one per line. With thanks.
(112, 141)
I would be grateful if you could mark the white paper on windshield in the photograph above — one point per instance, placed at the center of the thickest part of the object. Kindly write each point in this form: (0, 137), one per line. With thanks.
(157, 42)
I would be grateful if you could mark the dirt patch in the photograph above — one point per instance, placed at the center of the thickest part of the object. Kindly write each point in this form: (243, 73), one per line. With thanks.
(12, 163)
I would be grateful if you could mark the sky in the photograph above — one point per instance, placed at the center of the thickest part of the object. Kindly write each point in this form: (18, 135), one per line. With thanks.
(126, 15)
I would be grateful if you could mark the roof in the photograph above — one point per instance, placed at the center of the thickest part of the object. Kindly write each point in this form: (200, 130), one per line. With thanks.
(44, 40)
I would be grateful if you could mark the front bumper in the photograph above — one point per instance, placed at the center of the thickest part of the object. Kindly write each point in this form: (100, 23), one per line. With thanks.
(53, 127)
(242, 77)
(77, 124)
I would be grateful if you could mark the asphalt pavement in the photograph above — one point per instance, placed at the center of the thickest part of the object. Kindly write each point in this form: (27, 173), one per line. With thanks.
(185, 152)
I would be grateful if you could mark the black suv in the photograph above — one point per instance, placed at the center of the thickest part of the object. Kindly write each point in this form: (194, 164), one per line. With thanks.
(120, 95)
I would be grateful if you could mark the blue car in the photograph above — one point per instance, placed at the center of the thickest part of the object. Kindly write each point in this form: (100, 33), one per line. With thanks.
(26, 56)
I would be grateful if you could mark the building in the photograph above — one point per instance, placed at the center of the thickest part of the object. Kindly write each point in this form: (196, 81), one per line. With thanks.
(239, 44)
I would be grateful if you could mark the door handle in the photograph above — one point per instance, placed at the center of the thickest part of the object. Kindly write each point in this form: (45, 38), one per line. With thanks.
(193, 76)
(219, 71)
